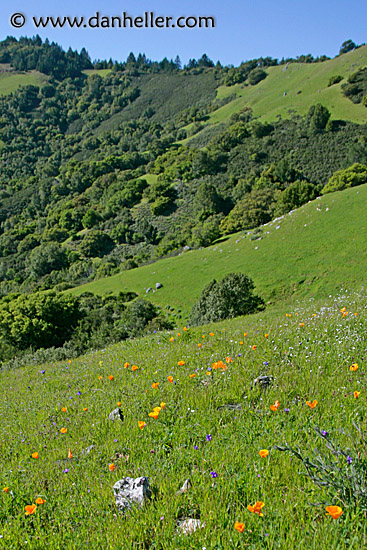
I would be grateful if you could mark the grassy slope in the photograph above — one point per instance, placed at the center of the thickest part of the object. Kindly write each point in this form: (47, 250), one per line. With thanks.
(9, 81)
(316, 250)
(268, 101)
(309, 362)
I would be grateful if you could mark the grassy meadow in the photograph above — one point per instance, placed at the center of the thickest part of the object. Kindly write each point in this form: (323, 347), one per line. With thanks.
(308, 349)
(310, 252)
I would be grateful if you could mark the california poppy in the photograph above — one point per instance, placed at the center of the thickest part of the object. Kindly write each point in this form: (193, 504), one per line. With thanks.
(126, 365)
(163, 406)
(142, 424)
(85, 409)
(239, 526)
(253, 348)
(170, 379)
(155, 385)
(119, 403)
(263, 453)
(134, 367)
(301, 324)
(356, 394)
(199, 345)
(266, 335)
(181, 363)
(6, 489)
(245, 333)
(354, 367)
(63, 409)
(211, 333)
(172, 339)
(111, 467)
(311, 405)
(154, 415)
(63, 430)
(70, 454)
(40, 500)
(185, 329)
(275, 407)
(256, 508)
(35, 455)
(157, 409)
(334, 511)
(30, 509)
(110, 377)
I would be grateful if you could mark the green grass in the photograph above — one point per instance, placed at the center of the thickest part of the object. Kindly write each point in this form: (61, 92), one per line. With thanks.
(11, 81)
(316, 250)
(268, 101)
(308, 362)
(99, 72)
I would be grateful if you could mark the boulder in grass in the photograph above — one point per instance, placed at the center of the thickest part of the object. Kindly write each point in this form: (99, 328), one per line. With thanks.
(189, 526)
(116, 414)
(158, 285)
(263, 382)
(129, 492)
(148, 290)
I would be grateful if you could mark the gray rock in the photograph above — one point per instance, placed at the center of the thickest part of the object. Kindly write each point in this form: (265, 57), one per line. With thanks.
(129, 491)
(148, 290)
(186, 248)
(158, 285)
(185, 487)
(189, 526)
(263, 382)
(116, 414)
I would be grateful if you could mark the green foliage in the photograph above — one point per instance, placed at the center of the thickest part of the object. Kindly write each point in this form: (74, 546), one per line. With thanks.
(42, 319)
(254, 209)
(334, 80)
(206, 201)
(46, 258)
(90, 219)
(318, 116)
(96, 243)
(349, 177)
(256, 76)
(294, 196)
(356, 86)
(230, 297)
(347, 46)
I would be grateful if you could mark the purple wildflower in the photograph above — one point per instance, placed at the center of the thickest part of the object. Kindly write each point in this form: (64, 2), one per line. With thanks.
(65, 471)
(214, 474)
(287, 410)
(324, 433)
(208, 437)
(196, 447)
(349, 459)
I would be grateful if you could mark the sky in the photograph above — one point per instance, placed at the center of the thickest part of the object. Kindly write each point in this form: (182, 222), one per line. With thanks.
(244, 29)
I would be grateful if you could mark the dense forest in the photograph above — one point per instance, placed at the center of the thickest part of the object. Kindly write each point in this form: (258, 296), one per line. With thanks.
(98, 174)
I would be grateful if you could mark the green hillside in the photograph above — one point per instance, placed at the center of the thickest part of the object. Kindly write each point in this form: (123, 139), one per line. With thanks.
(313, 251)
(12, 80)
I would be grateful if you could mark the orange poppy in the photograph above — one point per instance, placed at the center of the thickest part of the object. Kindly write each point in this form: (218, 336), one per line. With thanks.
(263, 453)
(170, 379)
(85, 409)
(301, 324)
(172, 339)
(134, 368)
(99, 377)
(111, 467)
(356, 394)
(70, 454)
(240, 527)
(6, 489)
(155, 385)
(35, 455)
(199, 345)
(40, 500)
(253, 348)
(275, 407)
(63, 430)
(119, 403)
(179, 334)
(203, 336)
(229, 360)
(30, 509)
(266, 335)
(64, 409)
(157, 409)
(192, 375)
(354, 367)
(211, 333)
(126, 365)
(110, 377)
(181, 363)
(208, 373)
(163, 406)
(185, 329)
(245, 333)
(256, 508)
(311, 405)
(241, 343)
(334, 511)
(154, 415)
(142, 424)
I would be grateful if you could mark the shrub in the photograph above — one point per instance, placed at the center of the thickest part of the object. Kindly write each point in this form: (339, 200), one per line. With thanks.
(230, 297)
(256, 208)
(256, 76)
(334, 80)
(343, 179)
(294, 196)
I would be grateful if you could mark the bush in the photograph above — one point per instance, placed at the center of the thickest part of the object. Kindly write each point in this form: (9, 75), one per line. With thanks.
(334, 80)
(256, 208)
(294, 196)
(256, 76)
(343, 179)
(230, 297)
